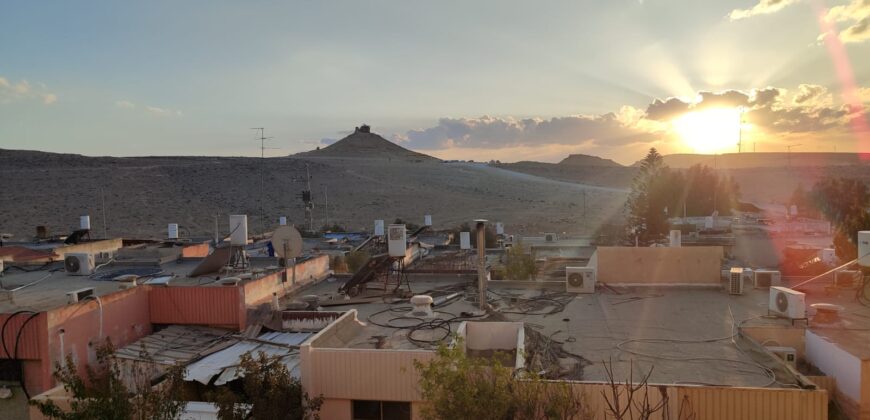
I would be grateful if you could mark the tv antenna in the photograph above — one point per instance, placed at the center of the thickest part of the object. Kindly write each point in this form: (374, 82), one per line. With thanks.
(262, 138)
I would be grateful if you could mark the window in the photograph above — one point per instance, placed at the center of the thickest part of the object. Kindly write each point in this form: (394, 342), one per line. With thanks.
(381, 410)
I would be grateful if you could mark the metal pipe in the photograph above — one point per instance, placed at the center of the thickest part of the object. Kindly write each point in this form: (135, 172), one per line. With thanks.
(481, 263)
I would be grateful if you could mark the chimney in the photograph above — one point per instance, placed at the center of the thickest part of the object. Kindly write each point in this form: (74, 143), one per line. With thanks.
(481, 262)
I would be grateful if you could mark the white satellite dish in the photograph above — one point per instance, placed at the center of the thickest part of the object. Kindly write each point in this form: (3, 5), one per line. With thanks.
(287, 242)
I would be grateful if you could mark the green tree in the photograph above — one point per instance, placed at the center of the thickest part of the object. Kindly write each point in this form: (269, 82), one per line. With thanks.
(519, 265)
(645, 208)
(102, 393)
(844, 203)
(460, 387)
(268, 392)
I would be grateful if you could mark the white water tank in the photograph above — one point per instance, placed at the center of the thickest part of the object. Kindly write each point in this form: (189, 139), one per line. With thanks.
(172, 231)
(239, 229)
(379, 228)
(282, 221)
(499, 228)
(396, 241)
(85, 222)
(464, 240)
(864, 248)
(427, 220)
(676, 238)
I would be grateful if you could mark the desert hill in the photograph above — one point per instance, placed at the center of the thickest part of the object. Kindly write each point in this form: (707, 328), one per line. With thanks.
(588, 160)
(143, 194)
(362, 143)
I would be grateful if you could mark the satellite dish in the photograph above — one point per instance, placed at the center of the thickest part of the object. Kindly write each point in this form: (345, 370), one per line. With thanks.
(287, 242)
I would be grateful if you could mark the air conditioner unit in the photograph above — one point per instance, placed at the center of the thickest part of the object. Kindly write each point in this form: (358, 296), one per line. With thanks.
(550, 237)
(580, 279)
(764, 279)
(735, 281)
(79, 264)
(846, 279)
(79, 295)
(787, 302)
(787, 354)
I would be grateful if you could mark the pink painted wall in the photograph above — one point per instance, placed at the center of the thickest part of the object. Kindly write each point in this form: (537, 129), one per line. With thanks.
(125, 317)
(222, 306)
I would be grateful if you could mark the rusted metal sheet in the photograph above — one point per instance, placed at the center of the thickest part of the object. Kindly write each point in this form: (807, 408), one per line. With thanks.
(217, 306)
(27, 340)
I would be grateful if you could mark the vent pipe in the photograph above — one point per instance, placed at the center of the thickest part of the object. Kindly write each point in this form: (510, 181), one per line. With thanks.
(481, 262)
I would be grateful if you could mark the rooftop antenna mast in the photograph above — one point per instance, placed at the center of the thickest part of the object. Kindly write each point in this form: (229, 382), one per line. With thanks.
(262, 138)
(740, 130)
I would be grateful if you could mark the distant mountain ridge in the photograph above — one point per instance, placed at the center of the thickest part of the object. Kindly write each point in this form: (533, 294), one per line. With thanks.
(588, 160)
(362, 143)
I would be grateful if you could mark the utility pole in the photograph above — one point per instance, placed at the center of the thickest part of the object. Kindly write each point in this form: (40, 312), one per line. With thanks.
(263, 148)
(740, 130)
(326, 204)
(105, 226)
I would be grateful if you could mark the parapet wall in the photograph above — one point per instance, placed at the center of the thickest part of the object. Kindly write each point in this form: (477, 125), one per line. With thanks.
(658, 265)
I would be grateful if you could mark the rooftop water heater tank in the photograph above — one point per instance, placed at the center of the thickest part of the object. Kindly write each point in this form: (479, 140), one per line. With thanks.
(864, 248)
(499, 228)
(239, 229)
(282, 221)
(464, 240)
(85, 222)
(172, 231)
(427, 220)
(379, 228)
(396, 241)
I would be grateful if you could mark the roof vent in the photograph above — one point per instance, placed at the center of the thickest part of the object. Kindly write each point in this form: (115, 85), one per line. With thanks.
(422, 306)
(79, 295)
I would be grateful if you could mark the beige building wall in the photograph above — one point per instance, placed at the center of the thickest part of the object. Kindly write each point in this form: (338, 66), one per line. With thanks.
(658, 265)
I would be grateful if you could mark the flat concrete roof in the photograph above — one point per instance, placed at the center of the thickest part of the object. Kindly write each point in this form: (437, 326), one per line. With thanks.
(45, 288)
(683, 334)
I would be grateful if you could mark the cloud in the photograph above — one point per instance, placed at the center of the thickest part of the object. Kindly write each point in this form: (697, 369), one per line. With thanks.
(764, 7)
(149, 109)
(855, 14)
(773, 115)
(623, 127)
(859, 32)
(24, 91)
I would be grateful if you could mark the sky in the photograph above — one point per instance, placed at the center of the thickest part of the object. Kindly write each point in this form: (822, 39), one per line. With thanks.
(507, 80)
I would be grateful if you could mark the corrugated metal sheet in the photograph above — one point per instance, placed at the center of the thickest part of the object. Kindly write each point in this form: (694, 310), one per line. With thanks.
(223, 364)
(28, 343)
(716, 403)
(196, 305)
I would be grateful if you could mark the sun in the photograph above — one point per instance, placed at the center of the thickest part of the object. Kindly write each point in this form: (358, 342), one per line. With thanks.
(710, 130)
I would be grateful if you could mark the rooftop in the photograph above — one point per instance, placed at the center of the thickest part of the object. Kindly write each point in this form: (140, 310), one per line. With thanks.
(688, 335)
(45, 287)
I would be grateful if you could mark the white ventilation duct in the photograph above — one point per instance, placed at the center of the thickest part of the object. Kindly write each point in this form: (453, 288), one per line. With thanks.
(422, 307)
(239, 229)
(85, 222)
